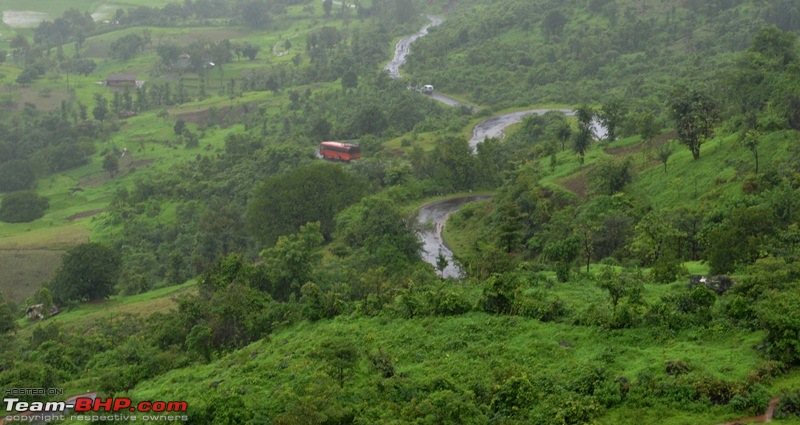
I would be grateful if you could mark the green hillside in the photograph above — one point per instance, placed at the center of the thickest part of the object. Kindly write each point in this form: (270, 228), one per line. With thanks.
(198, 250)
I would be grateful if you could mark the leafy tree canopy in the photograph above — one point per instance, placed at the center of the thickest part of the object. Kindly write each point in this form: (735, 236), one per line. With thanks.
(16, 175)
(307, 194)
(22, 207)
(89, 272)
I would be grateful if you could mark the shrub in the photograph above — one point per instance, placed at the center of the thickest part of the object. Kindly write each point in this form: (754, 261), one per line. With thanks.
(23, 207)
(451, 301)
(541, 306)
(514, 394)
(499, 293)
(667, 269)
(788, 407)
(780, 317)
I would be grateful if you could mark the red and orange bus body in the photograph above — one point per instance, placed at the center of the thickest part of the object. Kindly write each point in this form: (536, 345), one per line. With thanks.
(339, 151)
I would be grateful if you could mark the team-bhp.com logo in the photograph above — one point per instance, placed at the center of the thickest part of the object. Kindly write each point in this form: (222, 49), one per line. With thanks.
(93, 409)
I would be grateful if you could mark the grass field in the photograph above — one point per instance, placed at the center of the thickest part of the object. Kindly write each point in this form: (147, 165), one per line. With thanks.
(23, 271)
(27, 14)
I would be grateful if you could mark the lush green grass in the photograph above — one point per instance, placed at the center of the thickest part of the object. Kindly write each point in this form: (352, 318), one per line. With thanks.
(719, 173)
(471, 351)
(426, 141)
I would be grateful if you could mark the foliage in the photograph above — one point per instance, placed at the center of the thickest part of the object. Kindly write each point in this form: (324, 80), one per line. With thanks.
(341, 357)
(499, 293)
(695, 112)
(563, 253)
(290, 263)
(283, 203)
(738, 239)
(779, 317)
(228, 312)
(583, 138)
(128, 46)
(380, 234)
(619, 286)
(111, 163)
(88, 272)
(7, 316)
(16, 175)
(663, 152)
(610, 175)
(684, 309)
(611, 115)
(22, 207)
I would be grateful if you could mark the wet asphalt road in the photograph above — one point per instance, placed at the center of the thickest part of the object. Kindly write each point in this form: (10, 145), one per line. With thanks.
(402, 48)
(433, 217)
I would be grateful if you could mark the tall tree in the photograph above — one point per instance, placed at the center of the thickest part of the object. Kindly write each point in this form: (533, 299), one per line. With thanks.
(283, 203)
(100, 110)
(583, 138)
(291, 262)
(611, 116)
(111, 163)
(16, 175)
(663, 152)
(553, 24)
(750, 141)
(695, 112)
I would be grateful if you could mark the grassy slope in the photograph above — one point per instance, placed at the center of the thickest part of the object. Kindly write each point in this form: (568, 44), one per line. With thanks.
(469, 351)
(157, 300)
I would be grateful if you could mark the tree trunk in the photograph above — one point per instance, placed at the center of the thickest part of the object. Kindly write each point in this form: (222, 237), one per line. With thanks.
(755, 153)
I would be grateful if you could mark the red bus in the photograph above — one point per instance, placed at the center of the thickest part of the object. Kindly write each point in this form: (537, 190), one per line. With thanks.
(340, 151)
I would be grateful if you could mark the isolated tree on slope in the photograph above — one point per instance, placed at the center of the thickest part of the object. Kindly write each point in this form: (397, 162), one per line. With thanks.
(89, 272)
(695, 113)
(585, 134)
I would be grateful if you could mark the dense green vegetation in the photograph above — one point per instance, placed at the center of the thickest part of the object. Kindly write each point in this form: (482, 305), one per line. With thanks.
(311, 303)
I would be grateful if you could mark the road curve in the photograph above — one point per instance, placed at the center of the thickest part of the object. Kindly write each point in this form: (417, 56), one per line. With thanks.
(402, 48)
(433, 217)
(494, 126)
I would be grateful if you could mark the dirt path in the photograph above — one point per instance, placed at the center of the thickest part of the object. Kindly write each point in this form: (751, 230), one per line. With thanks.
(766, 417)
(275, 48)
(86, 214)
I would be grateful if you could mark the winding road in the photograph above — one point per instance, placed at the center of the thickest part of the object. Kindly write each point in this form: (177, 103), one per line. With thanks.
(403, 46)
(433, 216)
